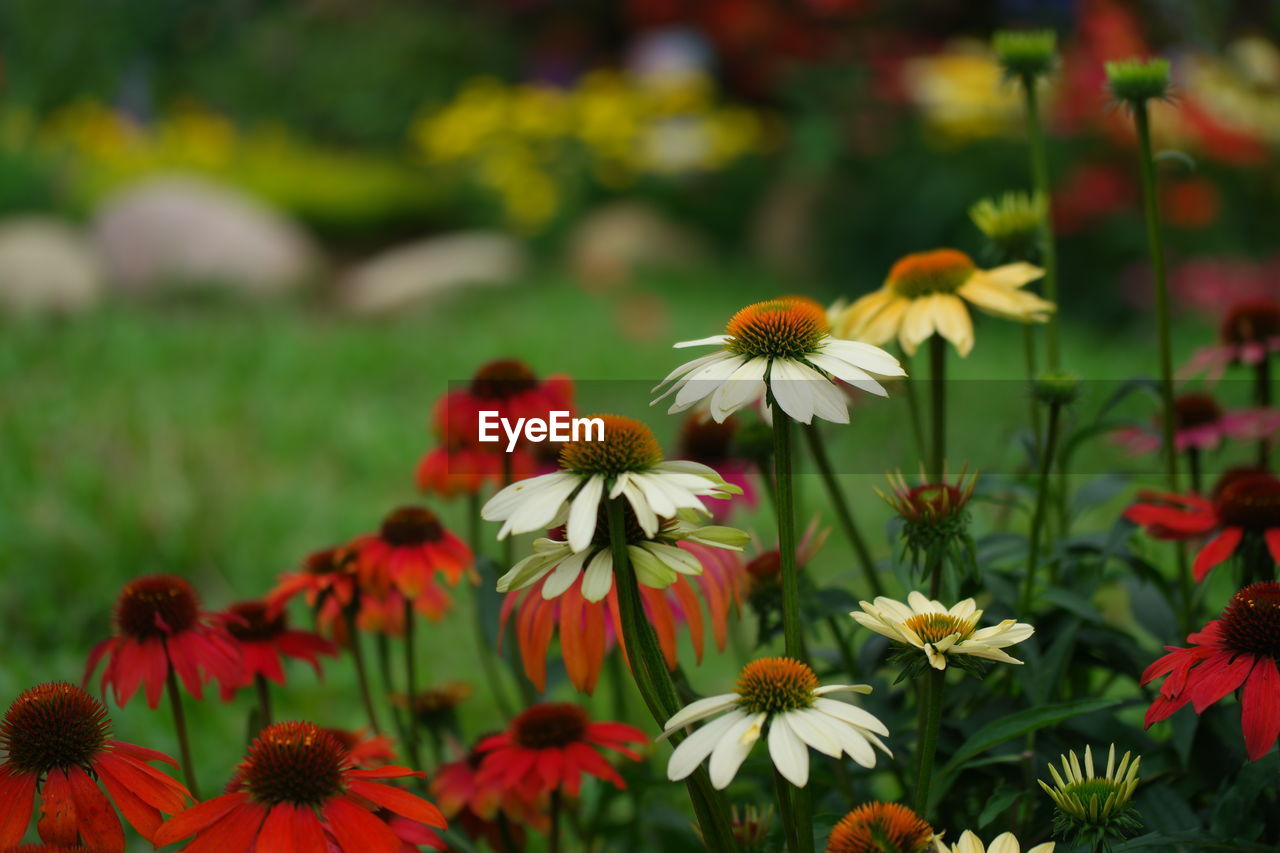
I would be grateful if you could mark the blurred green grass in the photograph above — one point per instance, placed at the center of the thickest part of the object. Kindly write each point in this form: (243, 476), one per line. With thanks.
(224, 441)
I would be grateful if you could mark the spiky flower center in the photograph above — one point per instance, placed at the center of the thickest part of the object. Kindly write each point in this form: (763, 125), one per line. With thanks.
(1251, 620)
(1086, 791)
(551, 725)
(1251, 502)
(936, 627)
(294, 762)
(409, 526)
(628, 445)
(936, 271)
(774, 685)
(503, 379)
(54, 726)
(880, 828)
(157, 606)
(703, 440)
(1195, 410)
(789, 327)
(255, 621)
(935, 502)
(1250, 322)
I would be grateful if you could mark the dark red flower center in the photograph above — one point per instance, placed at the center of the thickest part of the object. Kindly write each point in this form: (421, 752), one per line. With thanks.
(1251, 321)
(1195, 410)
(764, 569)
(327, 562)
(411, 525)
(255, 621)
(549, 726)
(157, 606)
(47, 848)
(1232, 475)
(1251, 620)
(628, 445)
(703, 440)
(503, 379)
(881, 828)
(54, 726)
(1251, 502)
(294, 762)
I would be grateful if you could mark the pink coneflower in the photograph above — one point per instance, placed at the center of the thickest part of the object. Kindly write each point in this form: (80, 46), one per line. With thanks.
(1249, 335)
(1200, 423)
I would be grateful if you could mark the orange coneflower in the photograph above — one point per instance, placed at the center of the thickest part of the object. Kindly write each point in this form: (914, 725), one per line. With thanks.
(876, 826)
(57, 741)
(265, 637)
(549, 746)
(409, 550)
(297, 789)
(160, 629)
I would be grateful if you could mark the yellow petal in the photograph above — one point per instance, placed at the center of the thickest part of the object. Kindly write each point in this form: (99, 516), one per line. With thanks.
(952, 319)
(1013, 275)
(1004, 301)
(917, 325)
(851, 322)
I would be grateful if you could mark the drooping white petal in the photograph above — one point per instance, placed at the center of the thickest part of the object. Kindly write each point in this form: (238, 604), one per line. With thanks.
(803, 725)
(733, 748)
(705, 380)
(743, 386)
(564, 575)
(694, 749)
(645, 515)
(868, 357)
(698, 710)
(789, 385)
(598, 580)
(847, 373)
(650, 571)
(787, 751)
(583, 513)
(851, 714)
(702, 342)
(539, 508)
(850, 738)
(829, 402)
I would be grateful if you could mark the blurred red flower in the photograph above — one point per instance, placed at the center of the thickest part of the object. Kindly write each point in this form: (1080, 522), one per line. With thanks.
(265, 637)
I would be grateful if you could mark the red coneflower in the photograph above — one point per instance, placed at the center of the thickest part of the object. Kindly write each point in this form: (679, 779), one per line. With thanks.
(297, 790)
(1242, 648)
(451, 470)
(549, 746)
(506, 386)
(408, 551)
(160, 629)
(480, 806)
(327, 582)
(57, 740)
(365, 750)
(265, 637)
(1246, 507)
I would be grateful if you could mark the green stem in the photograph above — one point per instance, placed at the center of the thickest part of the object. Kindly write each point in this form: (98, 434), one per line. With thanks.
(935, 682)
(484, 647)
(786, 810)
(362, 673)
(842, 646)
(649, 669)
(792, 631)
(1042, 501)
(1194, 469)
(938, 407)
(1040, 180)
(264, 698)
(1262, 399)
(818, 449)
(913, 408)
(553, 839)
(1029, 351)
(180, 728)
(411, 686)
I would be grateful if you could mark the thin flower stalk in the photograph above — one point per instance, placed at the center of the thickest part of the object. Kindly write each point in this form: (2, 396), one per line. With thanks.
(844, 515)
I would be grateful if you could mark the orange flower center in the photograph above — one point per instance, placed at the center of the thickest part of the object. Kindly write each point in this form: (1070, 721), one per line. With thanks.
(54, 726)
(789, 327)
(628, 445)
(773, 685)
(254, 621)
(936, 627)
(880, 828)
(409, 526)
(156, 606)
(551, 725)
(294, 762)
(1251, 321)
(1250, 501)
(1193, 410)
(703, 440)
(937, 271)
(1251, 620)
(503, 379)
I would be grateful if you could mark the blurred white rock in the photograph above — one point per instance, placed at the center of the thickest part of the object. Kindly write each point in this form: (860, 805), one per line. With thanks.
(611, 242)
(47, 267)
(181, 231)
(406, 275)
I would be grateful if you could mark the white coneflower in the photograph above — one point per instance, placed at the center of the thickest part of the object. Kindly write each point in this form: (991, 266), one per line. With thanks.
(626, 462)
(781, 348)
(657, 559)
(779, 698)
(941, 632)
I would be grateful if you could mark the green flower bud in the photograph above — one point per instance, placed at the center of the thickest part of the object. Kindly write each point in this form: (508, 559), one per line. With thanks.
(1012, 223)
(1025, 53)
(1057, 389)
(1136, 81)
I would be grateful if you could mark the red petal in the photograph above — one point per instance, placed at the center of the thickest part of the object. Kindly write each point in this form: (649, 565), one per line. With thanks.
(154, 787)
(1273, 542)
(141, 753)
(144, 818)
(357, 830)
(198, 817)
(57, 824)
(1217, 677)
(1218, 549)
(291, 829)
(237, 830)
(1260, 709)
(400, 802)
(389, 771)
(96, 820)
(17, 799)
(593, 762)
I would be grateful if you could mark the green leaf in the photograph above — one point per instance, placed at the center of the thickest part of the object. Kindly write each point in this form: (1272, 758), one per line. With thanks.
(1021, 723)
(996, 806)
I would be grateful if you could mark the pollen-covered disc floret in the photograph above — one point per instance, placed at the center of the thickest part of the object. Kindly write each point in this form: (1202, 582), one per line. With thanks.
(878, 827)
(777, 698)
(942, 633)
(54, 726)
(157, 606)
(936, 271)
(550, 725)
(296, 763)
(1251, 621)
(790, 327)
(1093, 805)
(411, 525)
(1250, 502)
(628, 445)
(774, 685)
